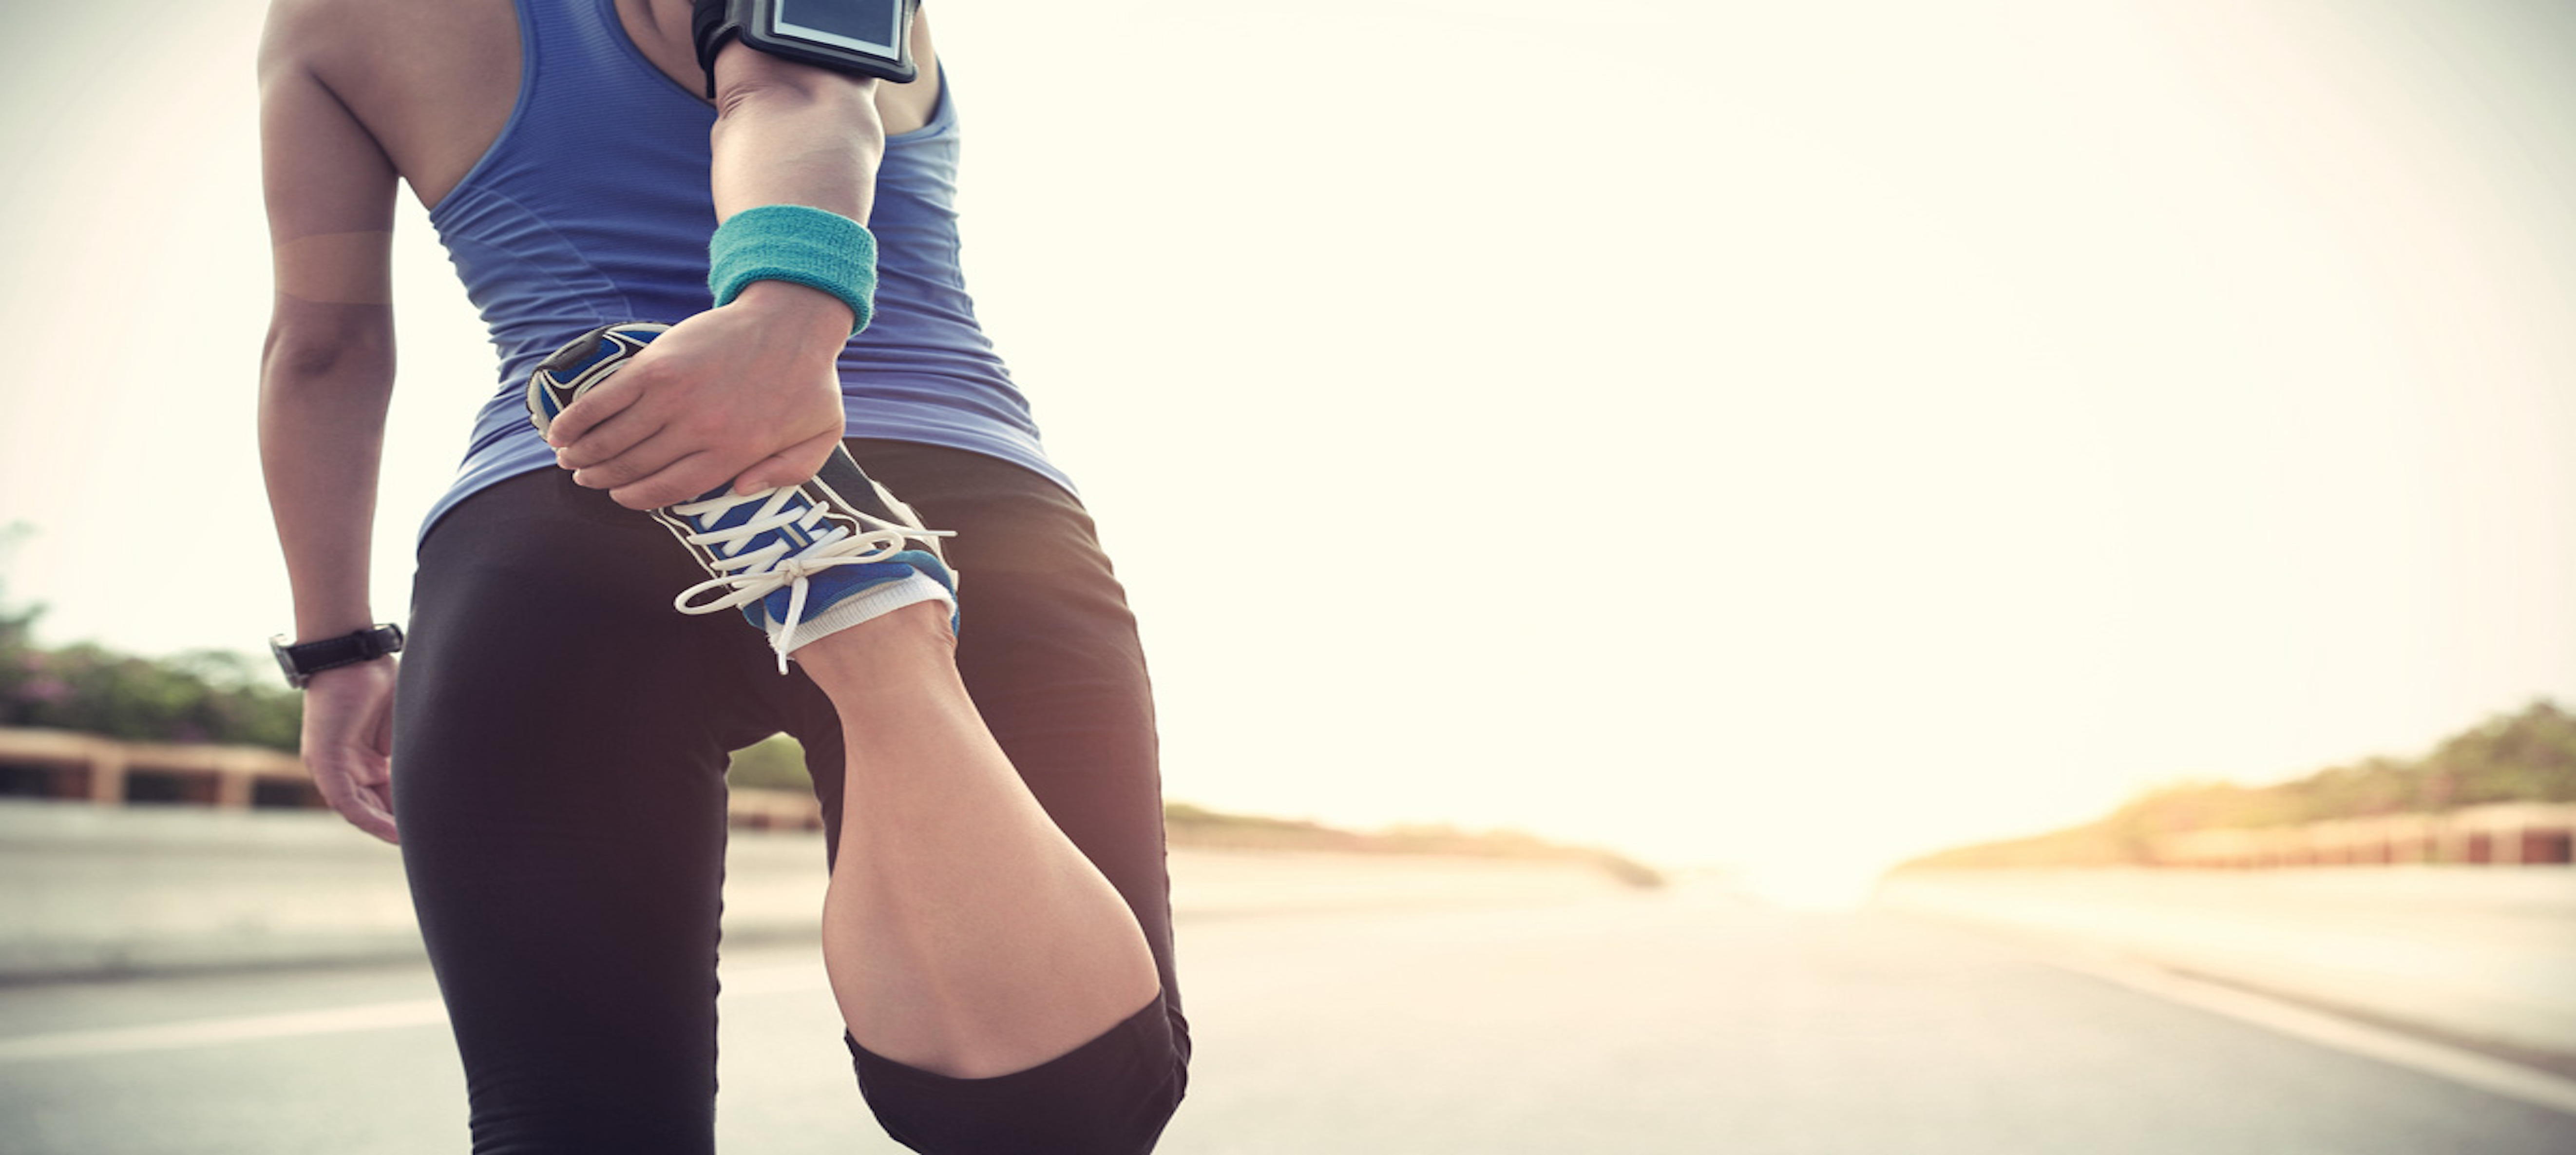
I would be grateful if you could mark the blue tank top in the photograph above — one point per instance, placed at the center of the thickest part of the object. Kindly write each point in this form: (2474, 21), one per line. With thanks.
(592, 207)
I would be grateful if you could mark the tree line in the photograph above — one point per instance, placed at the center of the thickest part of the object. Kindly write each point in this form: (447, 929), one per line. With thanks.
(199, 696)
(2527, 756)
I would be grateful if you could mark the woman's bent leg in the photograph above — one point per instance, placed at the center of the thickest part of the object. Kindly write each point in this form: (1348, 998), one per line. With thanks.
(1049, 655)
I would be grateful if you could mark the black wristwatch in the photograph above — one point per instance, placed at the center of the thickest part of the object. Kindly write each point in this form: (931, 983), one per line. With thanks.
(302, 662)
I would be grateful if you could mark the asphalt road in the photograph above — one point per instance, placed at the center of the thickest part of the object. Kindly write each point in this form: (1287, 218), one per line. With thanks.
(1616, 1023)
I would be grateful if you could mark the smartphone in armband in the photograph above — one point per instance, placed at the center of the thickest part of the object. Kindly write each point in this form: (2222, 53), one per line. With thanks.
(865, 37)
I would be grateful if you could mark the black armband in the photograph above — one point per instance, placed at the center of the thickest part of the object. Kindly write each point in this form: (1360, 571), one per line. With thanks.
(858, 37)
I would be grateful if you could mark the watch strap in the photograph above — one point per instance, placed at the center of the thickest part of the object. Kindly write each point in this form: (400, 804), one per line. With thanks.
(309, 658)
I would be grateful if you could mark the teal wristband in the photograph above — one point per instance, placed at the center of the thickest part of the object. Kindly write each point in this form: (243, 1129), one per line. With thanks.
(801, 245)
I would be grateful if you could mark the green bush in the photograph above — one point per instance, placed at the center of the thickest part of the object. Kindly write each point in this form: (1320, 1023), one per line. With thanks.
(773, 763)
(201, 696)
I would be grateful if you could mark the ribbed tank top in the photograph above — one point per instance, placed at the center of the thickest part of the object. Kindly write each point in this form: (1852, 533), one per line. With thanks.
(592, 206)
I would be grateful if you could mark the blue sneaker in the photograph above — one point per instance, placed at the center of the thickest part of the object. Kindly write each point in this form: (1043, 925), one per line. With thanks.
(800, 561)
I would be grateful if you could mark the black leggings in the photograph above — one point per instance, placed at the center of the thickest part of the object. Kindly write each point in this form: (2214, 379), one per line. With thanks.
(560, 744)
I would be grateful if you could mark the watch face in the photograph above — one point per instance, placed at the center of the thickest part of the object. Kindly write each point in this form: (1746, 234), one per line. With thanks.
(285, 661)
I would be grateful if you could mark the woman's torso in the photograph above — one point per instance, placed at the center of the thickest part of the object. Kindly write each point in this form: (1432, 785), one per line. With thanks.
(566, 171)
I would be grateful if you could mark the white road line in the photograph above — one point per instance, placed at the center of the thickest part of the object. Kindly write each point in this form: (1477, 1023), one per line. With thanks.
(337, 1020)
(2468, 1068)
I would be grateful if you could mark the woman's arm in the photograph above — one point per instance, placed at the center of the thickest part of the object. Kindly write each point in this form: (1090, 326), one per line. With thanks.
(326, 376)
(748, 393)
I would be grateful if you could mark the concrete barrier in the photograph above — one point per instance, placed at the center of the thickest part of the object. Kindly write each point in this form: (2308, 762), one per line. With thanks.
(105, 770)
(2480, 953)
(92, 890)
(2501, 834)
(67, 764)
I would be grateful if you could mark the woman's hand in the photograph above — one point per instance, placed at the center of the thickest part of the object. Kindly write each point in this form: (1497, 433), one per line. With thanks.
(348, 742)
(748, 394)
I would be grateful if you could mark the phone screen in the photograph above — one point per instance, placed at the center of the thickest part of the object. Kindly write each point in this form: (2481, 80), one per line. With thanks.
(873, 27)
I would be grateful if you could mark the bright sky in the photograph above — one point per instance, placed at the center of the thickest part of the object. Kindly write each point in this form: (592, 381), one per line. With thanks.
(1793, 436)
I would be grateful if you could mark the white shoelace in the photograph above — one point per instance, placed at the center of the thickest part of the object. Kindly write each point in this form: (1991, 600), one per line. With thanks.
(760, 572)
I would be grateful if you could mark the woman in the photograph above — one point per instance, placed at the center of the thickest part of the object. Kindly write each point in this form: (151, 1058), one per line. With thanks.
(997, 931)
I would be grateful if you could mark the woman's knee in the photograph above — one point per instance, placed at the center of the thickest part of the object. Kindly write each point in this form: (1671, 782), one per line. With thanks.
(1110, 1096)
